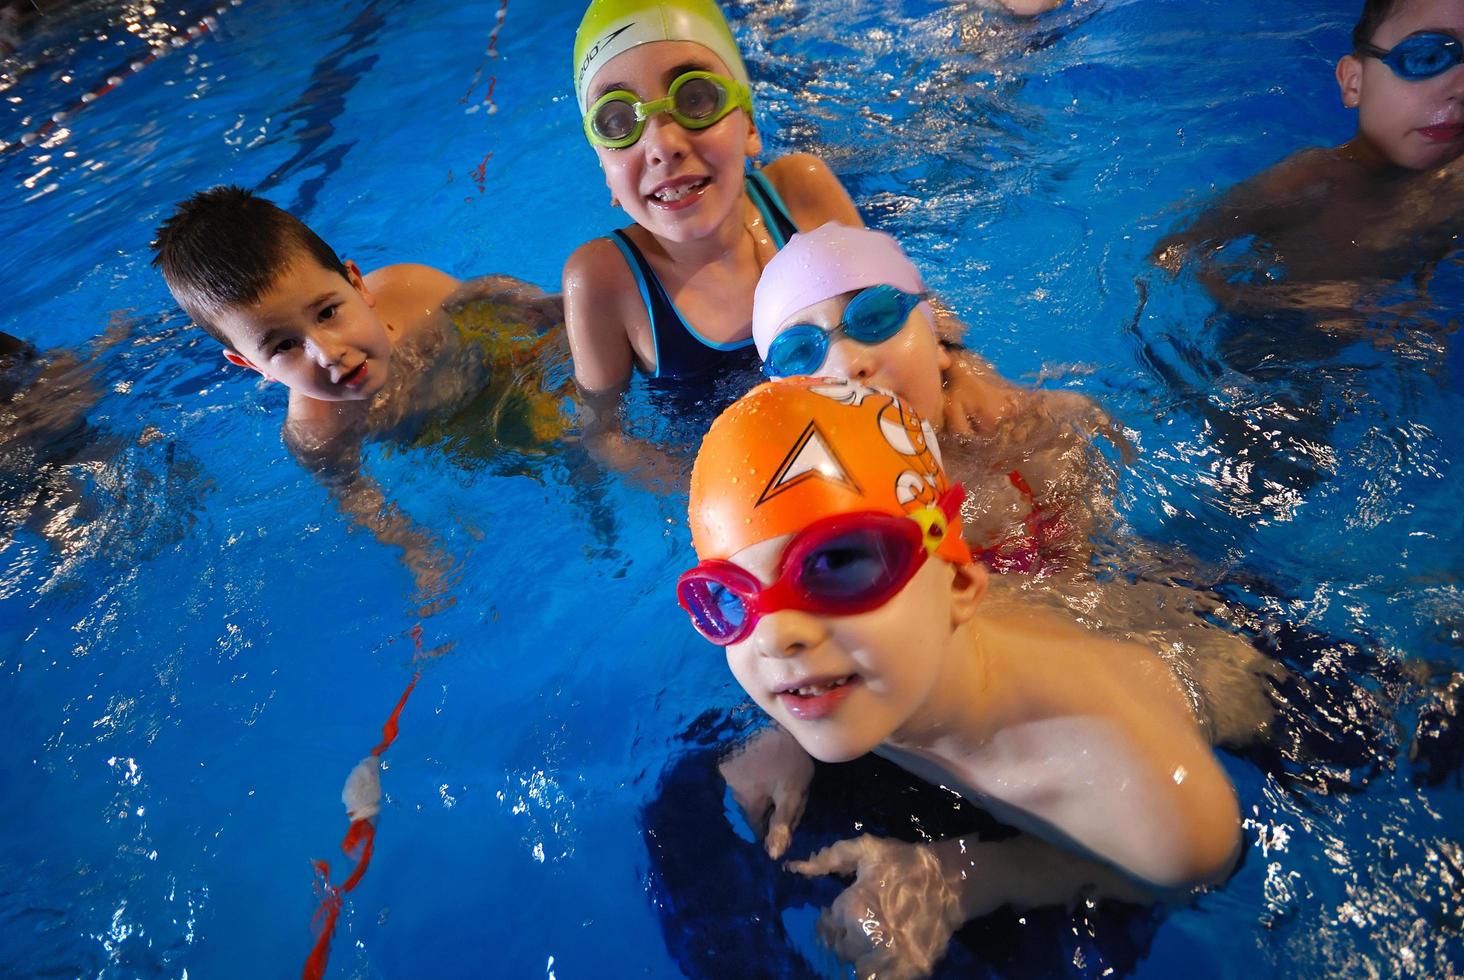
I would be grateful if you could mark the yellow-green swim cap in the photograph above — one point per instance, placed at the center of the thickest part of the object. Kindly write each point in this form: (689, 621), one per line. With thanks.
(612, 26)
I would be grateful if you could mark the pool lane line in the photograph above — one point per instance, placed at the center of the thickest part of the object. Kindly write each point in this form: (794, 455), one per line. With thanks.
(359, 842)
(179, 39)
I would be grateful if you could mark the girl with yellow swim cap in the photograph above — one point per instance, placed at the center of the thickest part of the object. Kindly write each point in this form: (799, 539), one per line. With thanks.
(668, 110)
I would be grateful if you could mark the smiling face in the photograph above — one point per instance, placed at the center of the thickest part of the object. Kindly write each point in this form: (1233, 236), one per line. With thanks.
(314, 331)
(1412, 124)
(908, 363)
(842, 685)
(678, 184)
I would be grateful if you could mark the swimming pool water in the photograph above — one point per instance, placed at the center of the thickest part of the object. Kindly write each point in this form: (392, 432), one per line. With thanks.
(191, 676)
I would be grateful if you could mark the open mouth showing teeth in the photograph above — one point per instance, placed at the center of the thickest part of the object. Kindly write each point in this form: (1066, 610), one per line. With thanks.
(677, 192)
(818, 690)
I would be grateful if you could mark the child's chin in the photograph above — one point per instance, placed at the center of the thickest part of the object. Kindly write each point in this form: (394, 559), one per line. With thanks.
(833, 749)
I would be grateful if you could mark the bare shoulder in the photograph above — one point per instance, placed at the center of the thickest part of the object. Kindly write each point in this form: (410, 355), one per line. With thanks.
(410, 294)
(411, 279)
(522, 300)
(601, 307)
(811, 191)
(1293, 177)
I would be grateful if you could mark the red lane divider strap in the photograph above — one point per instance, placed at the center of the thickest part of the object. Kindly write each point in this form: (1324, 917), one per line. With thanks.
(358, 845)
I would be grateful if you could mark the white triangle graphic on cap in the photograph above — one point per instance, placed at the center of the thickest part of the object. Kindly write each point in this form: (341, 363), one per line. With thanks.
(810, 458)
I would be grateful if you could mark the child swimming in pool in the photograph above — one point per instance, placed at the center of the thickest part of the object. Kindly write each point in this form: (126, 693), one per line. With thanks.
(362, 355)
(815, 507)
(1332, 225)
(848, 303)
(667, 107)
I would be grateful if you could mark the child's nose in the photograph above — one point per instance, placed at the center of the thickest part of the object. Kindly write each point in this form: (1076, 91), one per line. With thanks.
(787, 633)
(665, 139)
(851, 359)
(327, 353)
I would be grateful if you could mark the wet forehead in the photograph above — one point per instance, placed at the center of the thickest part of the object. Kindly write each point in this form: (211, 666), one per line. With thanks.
(826, 313)
(761, 560)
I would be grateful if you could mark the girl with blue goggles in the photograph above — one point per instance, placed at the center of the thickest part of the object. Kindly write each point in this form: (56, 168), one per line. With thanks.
(874, 315)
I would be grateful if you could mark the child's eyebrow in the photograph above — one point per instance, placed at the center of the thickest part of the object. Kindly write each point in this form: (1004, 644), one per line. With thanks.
(328, 294)
(263, 340)
(681, 69)
(604, 87)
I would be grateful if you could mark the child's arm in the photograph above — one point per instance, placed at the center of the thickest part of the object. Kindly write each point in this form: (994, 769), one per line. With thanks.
(652, 466)
(906, 901)
(596, 281)
(335, 459)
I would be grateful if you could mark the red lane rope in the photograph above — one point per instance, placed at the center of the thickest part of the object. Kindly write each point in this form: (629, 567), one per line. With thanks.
(479, 174)
(178, 40)
(358, 845)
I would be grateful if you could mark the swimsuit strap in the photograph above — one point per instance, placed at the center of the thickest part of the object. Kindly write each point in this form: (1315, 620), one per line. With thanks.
(774, 212)
(680, 350)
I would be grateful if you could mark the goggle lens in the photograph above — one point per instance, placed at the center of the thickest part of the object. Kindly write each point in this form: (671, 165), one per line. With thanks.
(839, 571)
(717, 612)
(801, 349)
(854, 567)
(1421, 56)
(615, 120)
(877, 314)
(699, 101)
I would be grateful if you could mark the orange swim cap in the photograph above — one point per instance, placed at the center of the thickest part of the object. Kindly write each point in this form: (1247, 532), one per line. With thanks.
(798, 449)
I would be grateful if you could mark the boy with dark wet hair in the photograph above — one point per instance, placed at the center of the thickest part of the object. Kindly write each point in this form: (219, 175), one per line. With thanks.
(363, 355)
(1332, 225)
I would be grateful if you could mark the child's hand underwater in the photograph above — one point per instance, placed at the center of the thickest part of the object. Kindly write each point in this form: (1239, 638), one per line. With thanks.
(897, 918)
(769, 777)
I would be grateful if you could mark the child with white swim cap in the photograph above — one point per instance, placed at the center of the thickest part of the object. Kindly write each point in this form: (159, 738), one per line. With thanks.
(848, 303)
(833, 572)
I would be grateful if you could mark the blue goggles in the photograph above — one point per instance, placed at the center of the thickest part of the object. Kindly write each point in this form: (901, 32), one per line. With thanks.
(873, 316)
(1419, 56)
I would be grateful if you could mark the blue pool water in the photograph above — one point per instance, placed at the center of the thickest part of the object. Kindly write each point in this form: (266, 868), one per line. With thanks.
(203, 648)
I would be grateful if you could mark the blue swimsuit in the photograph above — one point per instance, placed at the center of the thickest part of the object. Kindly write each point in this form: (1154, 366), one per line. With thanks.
(680, 350)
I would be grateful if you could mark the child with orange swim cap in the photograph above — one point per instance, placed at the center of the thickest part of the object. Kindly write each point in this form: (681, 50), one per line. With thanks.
(833, 571)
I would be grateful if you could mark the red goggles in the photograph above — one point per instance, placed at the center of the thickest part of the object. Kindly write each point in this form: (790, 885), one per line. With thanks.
(837, 566)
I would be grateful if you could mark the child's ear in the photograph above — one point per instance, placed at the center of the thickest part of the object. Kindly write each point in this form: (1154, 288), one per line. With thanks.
(358, 282)
(968, 588)
(942, 357)
(239, 360)
(1349, 80)
(753, 147)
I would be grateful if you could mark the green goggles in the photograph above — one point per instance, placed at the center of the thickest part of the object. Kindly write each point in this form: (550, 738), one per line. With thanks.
(696, 100)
